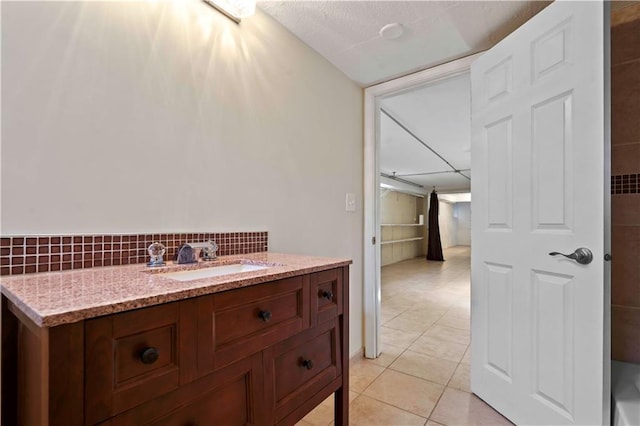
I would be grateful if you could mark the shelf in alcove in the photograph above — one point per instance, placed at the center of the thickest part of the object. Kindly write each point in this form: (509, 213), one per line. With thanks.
(402, 241)
(402, 224)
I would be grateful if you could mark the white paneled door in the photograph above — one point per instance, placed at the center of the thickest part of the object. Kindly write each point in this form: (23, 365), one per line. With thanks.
(540, 137)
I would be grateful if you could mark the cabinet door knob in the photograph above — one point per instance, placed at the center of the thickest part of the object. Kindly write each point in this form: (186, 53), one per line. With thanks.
(149, 355)
(307, 363)
(264, 315)
(327, 294)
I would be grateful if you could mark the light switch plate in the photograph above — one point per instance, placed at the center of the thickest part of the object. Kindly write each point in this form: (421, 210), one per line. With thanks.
(350, 202)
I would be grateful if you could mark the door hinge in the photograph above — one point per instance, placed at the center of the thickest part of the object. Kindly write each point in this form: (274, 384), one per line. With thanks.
(373, 240)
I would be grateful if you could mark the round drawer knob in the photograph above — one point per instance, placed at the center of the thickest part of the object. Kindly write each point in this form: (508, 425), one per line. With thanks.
(264, 315)
(149, 355)
(327, 295)
(307, 363)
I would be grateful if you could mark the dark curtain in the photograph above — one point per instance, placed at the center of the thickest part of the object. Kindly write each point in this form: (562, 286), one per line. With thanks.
(434, 250)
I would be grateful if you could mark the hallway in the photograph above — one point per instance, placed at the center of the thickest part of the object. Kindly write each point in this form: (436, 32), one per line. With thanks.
(422, 376)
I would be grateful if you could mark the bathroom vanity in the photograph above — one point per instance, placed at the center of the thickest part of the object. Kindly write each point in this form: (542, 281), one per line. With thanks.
(131, 346)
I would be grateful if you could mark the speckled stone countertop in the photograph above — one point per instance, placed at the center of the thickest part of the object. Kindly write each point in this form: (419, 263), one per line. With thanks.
(55, 298)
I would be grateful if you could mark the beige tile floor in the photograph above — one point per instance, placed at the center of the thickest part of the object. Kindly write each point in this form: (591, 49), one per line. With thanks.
(422, 376)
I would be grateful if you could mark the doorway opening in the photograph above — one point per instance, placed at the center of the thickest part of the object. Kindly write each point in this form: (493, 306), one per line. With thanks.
(425, 304)
(412, 165)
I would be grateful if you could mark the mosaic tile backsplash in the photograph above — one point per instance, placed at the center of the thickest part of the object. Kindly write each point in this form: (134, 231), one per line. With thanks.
(30, 254)
(625, 184)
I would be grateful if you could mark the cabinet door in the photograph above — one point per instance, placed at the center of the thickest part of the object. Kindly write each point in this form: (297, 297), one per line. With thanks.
(226, 405)
(228, 397)
(130, 358)
(303, 366)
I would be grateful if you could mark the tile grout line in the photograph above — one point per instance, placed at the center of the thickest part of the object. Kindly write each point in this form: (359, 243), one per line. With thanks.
(408, 348)
(395, 406)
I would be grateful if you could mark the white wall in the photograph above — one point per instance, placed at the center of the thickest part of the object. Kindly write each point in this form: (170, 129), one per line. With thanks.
(167, 117)
(462, 214)
(448, 225)
(455, 223)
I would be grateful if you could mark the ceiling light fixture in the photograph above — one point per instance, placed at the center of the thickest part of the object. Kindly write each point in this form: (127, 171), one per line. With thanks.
(391, 31)
(234, 9)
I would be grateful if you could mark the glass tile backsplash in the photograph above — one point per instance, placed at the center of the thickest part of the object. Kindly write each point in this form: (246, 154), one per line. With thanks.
(30, 254)
(625, 184)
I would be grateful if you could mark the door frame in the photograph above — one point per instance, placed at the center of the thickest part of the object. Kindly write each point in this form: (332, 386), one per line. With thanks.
(371, 250)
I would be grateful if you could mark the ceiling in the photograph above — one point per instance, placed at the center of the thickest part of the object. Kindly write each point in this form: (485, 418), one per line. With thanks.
(437, 115)
(347, 33)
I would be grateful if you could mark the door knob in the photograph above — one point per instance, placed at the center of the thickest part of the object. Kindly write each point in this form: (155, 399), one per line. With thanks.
(582, 255)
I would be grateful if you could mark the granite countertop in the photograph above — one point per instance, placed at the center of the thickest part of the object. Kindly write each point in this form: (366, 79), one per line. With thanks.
(55, 298)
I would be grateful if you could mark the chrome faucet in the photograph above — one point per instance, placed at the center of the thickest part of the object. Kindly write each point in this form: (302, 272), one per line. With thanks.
(190, 252)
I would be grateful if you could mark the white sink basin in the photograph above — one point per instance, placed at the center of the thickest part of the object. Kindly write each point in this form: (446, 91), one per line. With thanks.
(213, 271)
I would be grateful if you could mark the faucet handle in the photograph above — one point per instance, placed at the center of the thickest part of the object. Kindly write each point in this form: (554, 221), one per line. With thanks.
(156, 251)
(209, 253)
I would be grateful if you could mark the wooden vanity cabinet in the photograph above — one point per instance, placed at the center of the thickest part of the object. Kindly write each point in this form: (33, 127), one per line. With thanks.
(259, 355)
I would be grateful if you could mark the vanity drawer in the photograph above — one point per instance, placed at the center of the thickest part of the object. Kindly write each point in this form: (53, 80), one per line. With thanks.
(326, 295)
(247, 320)
(130, 358)
(303, 366)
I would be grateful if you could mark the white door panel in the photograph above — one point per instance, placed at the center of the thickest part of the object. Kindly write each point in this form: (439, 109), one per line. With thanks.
(538, 154)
